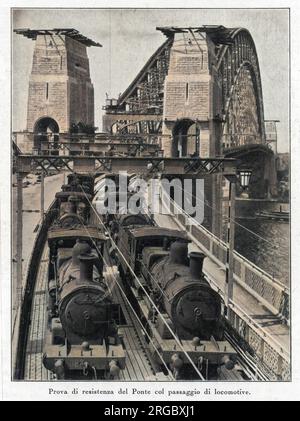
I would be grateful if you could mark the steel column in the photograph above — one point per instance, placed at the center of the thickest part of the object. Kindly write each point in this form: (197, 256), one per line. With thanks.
(19, 241)
(42, 196)
(230, 246)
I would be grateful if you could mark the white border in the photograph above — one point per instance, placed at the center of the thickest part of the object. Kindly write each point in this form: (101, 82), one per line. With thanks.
(39, 390)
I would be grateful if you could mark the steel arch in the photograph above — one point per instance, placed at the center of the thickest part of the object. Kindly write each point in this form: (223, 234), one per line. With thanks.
(231, 59)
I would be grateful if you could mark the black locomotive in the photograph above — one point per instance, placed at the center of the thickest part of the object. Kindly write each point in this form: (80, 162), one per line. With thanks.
(182, 291)
(172, 294)
(181, 313)
(82, 326)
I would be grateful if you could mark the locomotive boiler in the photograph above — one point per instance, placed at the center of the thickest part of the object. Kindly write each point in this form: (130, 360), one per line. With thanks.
(173, 297)
(84, 301)
(191, 304)
(82, 326)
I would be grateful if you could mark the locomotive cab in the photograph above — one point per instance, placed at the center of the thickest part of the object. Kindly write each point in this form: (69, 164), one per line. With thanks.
(82, 329)
(185, 303)
(133, 240)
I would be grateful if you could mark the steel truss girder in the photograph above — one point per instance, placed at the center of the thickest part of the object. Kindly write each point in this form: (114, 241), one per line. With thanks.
(103, 164)
(32, 163)
(145, 166)
(139, 126)
(144, 92)
(231, 59)
(203, 166)
(102, 148)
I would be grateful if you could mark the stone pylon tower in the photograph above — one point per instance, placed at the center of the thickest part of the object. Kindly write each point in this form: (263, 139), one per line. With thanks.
(192, 96)
(60, 90)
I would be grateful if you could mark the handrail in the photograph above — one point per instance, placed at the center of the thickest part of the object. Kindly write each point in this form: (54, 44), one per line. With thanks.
(223, 244)
(246, 317)
(268, 352)
(271, 356)
(25, 307)
(234, 306)
(278, 347)
(272, 293)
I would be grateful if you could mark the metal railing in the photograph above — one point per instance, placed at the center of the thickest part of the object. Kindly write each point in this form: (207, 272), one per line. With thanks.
(273, 294)
(271, 357)
(27, 291)
(268, 354)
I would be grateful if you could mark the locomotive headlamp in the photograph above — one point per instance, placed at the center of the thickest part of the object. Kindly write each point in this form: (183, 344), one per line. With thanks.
(85, 346)
(196, 341)
(176, 361)
(244, 177)
(114, 369)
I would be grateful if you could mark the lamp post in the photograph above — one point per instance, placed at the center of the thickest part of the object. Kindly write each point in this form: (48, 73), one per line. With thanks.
(42, 196)
(19, 240)
(244, 176)
(197, 139)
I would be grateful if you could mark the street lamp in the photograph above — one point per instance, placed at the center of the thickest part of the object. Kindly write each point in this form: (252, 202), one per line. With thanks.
(244, 179)
(244, 176)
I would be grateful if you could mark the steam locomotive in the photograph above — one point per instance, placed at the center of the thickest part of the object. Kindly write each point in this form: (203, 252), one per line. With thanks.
(82, 327)
(172, 295)
(180, 311)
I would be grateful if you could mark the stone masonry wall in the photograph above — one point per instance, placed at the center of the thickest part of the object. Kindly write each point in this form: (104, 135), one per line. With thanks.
(60, 86)
(188, 89)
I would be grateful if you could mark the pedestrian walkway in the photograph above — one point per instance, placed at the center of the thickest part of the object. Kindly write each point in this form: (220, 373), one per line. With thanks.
(267, 321)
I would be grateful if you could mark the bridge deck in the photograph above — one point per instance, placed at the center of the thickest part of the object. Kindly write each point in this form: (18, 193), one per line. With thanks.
(262, 316)
(31, 201)
(138, 366)
(34, 369)
(143, 371)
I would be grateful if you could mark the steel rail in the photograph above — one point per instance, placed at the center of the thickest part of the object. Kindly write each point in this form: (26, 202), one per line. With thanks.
(127, 300)
(146, 293)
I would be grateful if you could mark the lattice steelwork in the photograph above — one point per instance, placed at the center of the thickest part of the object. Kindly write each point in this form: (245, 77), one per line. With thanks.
(145, 94)
(241, 126)
(242, 101)
(148, 95)
(137, 127)
(143, 98)
(237, 75)
(140, 165)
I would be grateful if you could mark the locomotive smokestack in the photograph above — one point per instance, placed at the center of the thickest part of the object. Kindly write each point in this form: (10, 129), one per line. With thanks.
(65, 187)
(80, 248)
(179, 252)
(165, 243)
(86, 267)
(196, 264)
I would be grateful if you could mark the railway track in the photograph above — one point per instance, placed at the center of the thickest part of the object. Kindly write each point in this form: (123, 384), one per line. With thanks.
(247, 362)
(34, 369)
(140, 365)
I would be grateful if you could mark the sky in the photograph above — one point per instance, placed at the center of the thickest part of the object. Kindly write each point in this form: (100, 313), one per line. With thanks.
(129, 37)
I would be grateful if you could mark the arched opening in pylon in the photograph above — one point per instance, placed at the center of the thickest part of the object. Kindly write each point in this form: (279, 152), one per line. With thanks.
(186, 138)
(46, 129)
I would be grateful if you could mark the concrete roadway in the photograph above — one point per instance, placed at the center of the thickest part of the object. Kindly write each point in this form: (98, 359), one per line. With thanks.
(262, 316)
(31, 200)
